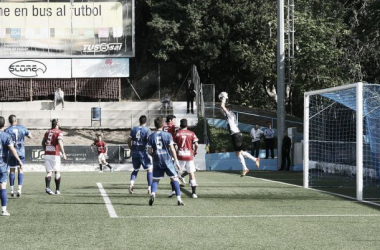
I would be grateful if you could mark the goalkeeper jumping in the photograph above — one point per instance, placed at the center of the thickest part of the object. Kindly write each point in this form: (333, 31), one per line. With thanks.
(236, 135)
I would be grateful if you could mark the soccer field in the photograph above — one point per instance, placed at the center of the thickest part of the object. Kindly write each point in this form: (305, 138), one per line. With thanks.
(95, 211)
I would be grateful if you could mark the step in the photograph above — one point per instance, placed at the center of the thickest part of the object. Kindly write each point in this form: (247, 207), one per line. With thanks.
(48, 105)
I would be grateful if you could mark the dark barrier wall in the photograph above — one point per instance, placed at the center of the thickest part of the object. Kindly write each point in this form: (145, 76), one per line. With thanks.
(79, 154)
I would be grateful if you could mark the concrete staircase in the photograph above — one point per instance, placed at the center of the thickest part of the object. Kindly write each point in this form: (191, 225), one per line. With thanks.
(37, 114)
(180, 109)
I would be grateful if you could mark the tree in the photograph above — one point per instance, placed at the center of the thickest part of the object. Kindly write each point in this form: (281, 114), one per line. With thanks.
(233, 43)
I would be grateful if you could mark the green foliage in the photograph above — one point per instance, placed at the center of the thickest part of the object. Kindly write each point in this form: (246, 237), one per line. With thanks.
(365, 50)
(220, 140)
(233, 44)
(199, 130)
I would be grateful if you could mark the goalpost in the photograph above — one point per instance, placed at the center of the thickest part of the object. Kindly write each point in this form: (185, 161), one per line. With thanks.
(342, 140)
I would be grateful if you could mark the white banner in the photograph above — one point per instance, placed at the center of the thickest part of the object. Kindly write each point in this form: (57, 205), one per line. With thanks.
(35, 68)
(108, 67)
(67, 29)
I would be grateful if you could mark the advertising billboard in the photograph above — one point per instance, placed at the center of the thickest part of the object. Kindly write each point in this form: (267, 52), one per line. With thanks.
(64, 68)
(102, 67)
(35, 68)
(77, 154)
(66, 29)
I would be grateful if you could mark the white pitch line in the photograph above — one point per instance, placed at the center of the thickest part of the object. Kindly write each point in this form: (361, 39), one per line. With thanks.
(255, 216)
(107, 201)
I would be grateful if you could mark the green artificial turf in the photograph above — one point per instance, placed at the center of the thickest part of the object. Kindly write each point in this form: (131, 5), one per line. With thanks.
(230, 213)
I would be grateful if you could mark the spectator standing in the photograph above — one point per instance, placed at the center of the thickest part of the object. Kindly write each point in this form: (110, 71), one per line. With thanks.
(286, 146)
(59, 98)
(269, 140)
(256, 135)
(190, 94)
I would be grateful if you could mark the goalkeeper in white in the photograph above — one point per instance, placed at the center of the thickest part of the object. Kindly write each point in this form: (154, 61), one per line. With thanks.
(236, 135)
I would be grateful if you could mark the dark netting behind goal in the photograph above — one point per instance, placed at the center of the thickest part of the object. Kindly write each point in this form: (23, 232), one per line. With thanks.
(27, 89)
(332, 141)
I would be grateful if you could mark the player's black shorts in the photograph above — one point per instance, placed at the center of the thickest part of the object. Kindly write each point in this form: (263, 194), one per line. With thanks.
(237, 141)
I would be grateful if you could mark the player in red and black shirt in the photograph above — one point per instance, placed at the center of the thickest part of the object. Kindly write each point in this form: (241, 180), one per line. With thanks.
(53, 145)
(170, 126)
(187, 146)
(102, 150)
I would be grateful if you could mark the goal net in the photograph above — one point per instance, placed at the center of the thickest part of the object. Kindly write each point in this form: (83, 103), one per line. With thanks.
(342, 140)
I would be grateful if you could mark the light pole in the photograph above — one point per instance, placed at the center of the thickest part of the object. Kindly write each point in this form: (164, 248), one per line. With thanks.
(280, 79)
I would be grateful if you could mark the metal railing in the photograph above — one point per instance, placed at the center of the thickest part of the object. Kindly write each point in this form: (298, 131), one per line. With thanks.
(251, 118)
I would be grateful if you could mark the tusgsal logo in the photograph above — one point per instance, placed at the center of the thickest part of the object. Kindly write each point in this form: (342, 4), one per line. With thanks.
(102, 47)
(27, 68)
(38, 155)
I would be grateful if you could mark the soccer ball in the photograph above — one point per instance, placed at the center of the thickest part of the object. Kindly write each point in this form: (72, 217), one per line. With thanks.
(223, 95)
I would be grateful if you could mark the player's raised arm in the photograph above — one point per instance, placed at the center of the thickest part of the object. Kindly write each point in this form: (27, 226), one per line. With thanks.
(223, 96)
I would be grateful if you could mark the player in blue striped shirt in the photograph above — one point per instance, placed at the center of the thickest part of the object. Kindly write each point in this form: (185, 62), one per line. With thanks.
(6, 145)
(18, 133)
(137, 142)
(160, 146)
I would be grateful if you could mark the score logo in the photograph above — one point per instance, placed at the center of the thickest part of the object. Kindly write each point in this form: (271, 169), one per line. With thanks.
(27, 68)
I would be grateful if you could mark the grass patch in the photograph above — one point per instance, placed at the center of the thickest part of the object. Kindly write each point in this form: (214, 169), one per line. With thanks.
(230, 213)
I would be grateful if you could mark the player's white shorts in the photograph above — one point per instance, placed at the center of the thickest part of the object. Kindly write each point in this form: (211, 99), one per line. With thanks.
(189, 166)
(102, 159)
(52, 163)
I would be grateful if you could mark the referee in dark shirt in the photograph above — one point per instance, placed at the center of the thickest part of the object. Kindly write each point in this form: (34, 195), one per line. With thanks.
(286, 145)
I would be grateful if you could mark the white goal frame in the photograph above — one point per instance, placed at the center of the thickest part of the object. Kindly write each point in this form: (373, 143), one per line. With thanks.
(359, 134)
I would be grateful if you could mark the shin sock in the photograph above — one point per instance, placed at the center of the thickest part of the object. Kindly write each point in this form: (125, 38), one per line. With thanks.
(20, 180)
(12, 179)
(57, 182)
(4, 197)
(47, 181)
(242, 161)
(149, 177)
(134, 175)
(248, 155)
